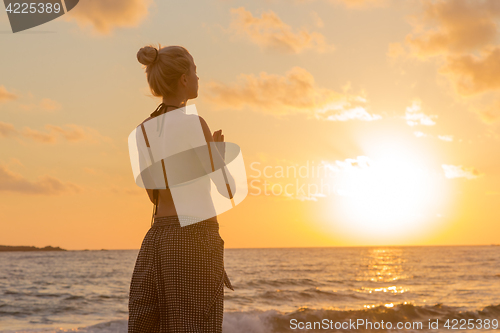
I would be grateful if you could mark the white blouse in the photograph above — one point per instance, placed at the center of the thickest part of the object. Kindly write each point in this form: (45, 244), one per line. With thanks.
(170, 151)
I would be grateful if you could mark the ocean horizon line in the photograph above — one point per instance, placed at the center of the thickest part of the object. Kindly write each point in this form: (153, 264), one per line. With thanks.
(294, 247)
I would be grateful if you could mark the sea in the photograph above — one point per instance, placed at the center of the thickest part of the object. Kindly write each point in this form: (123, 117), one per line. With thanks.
(328, 289)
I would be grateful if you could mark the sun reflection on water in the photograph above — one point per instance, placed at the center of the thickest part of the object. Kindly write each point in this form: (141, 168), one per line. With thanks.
(382, 265)
(381, 272)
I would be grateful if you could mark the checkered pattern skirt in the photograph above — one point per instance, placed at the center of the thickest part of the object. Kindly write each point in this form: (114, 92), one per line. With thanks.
(178, 280)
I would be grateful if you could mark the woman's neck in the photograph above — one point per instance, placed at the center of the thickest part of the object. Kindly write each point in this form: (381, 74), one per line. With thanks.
(179, 101)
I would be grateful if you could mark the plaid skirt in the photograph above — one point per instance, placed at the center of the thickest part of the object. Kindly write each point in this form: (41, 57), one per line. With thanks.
(178, 280)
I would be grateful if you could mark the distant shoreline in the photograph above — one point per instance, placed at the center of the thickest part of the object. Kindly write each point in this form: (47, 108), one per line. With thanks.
(6, 248)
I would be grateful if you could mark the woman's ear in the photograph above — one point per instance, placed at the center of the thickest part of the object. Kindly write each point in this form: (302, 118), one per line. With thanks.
(183, 79)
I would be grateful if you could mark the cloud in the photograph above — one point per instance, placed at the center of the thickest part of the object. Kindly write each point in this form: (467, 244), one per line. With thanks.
(414, 117)
(105, 15)
(295, 92)
(91, 171)
(358, 113)
(270, 32)
(49, 104)
(6, 96)
(448, 138)
(353, 4)
(360, 4)
(360, 162)
(127, 190)
(45, 104)
(473, 75)
(48, 185)
(489, 114)
(454, 26)
(71, 133)
(454, 171)
(463, 35)
(317, 20)
(396, 50)
(311, 197)
(7, 130)
(39, 136)
(419, 134)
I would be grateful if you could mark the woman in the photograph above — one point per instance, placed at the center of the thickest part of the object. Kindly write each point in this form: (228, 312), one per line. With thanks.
(179, 276)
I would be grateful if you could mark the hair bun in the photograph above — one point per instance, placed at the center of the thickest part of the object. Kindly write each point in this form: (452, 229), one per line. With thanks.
(163, 76)
(146, 55)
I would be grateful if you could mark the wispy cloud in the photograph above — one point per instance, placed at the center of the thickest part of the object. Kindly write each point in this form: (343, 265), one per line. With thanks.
(448, 138)
(361, 4)
(7, 130)
(317, 20)
(70, 133)
(489, 114)
(396, 50)
(419, 134)
(106, 15)
(270, 32)
(360, 162)
(39, 136)
(45, 104)
(414, 116)
(340, 114)
(353, 4)
(45, 185)
(6, 95)
(458, 171)
(295, 92)
(127, 190)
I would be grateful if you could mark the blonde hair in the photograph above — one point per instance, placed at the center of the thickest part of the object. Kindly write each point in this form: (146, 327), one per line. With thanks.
(163, 73)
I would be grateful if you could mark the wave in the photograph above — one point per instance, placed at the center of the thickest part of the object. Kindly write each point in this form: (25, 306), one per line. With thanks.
(271, 321)
(280, 282)
(114, 326)
(274, 321)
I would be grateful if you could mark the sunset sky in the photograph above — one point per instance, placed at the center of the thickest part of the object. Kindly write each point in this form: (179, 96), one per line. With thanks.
(397, 102)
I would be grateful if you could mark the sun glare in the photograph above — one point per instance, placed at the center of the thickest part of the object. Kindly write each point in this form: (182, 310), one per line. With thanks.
(386, 198)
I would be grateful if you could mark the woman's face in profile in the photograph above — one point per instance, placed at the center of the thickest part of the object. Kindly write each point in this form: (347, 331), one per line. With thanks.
(193, 81)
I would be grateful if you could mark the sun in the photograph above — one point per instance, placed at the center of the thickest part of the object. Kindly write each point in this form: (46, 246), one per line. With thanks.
(388, 198)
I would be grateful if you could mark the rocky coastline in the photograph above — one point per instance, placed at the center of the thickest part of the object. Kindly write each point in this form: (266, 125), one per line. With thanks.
(7, 248)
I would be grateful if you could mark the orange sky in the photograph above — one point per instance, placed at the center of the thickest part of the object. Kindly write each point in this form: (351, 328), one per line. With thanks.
(397, 100)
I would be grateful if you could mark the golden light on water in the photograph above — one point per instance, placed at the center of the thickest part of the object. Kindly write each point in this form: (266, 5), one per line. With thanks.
(382, 265)
(392, 289)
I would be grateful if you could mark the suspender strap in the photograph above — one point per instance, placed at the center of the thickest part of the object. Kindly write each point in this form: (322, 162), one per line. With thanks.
(157, 112)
